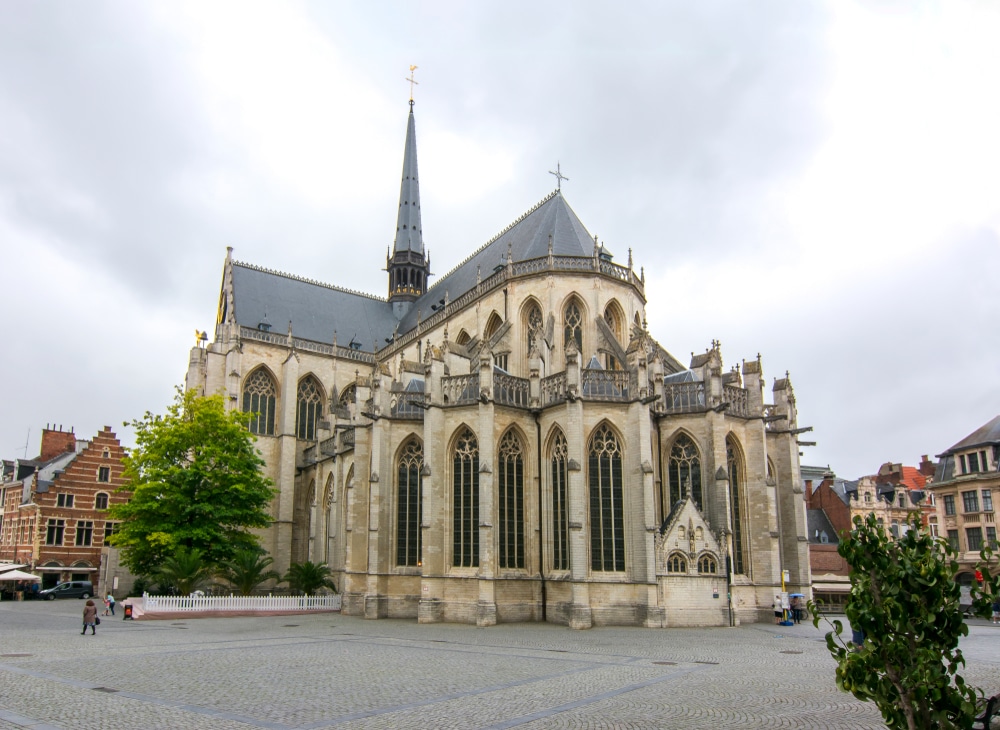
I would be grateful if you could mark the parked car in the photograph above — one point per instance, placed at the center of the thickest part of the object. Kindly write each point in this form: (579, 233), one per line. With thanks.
(69, 589)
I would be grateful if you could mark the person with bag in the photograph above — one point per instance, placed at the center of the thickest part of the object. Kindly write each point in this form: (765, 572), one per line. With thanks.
(90, 617)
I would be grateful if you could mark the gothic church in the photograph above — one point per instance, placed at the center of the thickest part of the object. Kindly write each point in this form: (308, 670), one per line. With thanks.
(510, 443)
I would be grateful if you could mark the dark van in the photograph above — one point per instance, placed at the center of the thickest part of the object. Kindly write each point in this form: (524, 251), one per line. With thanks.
(69, 589)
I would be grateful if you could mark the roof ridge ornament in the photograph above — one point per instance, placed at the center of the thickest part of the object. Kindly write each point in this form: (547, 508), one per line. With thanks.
(559, 177)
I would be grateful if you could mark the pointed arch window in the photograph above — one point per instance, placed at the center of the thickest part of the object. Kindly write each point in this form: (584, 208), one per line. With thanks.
(573, 324)
(734, 468)
(560, 511)
(613, 321)
(683, 473)
(310, 403)
(465, 513)
(677, 563)
(534, 329)
(510, 484)
(259, 398)
(408, 503)
(707, 565)
(607, 514)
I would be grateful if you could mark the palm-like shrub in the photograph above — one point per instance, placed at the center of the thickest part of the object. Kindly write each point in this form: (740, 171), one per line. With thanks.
(185, 571)
(309, 577)
(247, 570)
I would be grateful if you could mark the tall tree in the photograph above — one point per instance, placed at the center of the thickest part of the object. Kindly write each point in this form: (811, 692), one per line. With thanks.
(905, 601)
(196, 482)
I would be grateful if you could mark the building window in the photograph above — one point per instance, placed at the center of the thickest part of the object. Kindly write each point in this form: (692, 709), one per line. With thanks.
(676, 563)
(534, 328)
(110, 528)
(987, 500)
(101, 501)
(902, 499)
(54, 532)
(510, 486)
(684, 473)
(104, 474)
(949, 504)
(560, 513)
(64, 500)
(868, 497)
(607, 513)
(932, 526)
(465, 465)
(408, 504)
(734, 468)
(991, 536)
(106, 454)
(973, 463)
(961, 461)
(259, 398)
(974, 536)
(707, 565)
(501, 361)
(970, 501)
(573, 325)
(310, 403)
(953, 539)
(84, 534)
(611, 319)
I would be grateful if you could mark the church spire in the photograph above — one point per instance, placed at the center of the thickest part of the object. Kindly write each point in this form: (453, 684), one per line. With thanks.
(408, 264)
(408, 233)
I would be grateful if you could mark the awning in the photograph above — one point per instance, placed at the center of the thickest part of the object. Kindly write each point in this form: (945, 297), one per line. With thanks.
(18, 575)
(10, 566)
(64, 569)
(832, 587)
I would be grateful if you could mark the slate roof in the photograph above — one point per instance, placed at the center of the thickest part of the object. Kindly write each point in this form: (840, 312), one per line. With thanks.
(527, 238)
(315, 310)
(817, 522)
(988, 433)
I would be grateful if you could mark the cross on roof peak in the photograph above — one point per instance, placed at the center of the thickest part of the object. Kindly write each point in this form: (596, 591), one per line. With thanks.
(559, 176)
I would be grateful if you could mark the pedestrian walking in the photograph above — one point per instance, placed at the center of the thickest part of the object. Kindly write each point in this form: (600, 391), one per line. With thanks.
(90, 617)
(996, 612)
(110, 600)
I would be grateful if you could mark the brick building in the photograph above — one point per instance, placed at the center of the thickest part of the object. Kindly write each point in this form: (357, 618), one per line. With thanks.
(53, 509)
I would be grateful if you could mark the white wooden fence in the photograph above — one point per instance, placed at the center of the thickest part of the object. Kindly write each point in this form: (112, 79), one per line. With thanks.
(207, 604)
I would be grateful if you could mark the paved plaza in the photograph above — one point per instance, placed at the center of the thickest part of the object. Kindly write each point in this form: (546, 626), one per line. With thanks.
(328, 670)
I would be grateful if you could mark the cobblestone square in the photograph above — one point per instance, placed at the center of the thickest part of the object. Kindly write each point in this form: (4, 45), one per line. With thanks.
(327, 670)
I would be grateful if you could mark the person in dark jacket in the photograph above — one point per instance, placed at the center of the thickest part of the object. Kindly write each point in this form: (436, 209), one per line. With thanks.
(89, 617)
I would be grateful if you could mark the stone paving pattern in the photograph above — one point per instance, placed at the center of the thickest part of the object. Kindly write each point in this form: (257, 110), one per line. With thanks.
(327, 670)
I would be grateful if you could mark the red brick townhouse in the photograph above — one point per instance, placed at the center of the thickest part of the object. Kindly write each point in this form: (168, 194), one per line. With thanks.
(53, 509)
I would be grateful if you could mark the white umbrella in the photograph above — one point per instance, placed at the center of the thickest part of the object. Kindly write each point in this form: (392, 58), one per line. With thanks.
(18, 575)
(10, 566)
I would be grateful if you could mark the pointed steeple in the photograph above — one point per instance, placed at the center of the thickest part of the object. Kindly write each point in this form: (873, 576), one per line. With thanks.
(408, 264)
(408, 232)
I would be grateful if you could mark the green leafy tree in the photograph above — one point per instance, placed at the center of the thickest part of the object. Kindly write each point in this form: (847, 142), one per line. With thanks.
(905, 600)
(196, 482)
(246, 570)
(309, 577)
(185, 571)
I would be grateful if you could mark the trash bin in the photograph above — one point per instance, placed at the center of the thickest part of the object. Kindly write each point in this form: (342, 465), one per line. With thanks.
(127, 616)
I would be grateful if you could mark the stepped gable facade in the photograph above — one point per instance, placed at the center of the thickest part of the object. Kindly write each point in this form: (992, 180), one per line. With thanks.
(507, 443)
(54, 507)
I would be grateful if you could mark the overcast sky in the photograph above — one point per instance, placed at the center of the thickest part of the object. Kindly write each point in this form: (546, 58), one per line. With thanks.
(816, 182)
